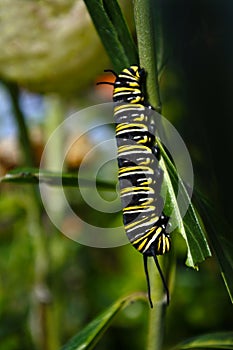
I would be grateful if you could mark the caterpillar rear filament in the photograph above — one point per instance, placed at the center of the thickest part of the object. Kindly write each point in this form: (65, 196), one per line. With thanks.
(140, 176)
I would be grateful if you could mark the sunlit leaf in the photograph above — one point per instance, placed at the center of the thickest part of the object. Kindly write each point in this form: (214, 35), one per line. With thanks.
(89, 336)
(36, 176)
(190, 227)
(221, 340)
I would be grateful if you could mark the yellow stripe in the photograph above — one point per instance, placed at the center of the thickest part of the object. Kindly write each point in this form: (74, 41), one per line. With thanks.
(153, 238)
(127, 72)
(133, 224)
(142, 168)
(134, 189)
(142, 245)
(126, 89)
(141, 118)
(140, 207)
(123, 126)
(145, 139)
(148, 201)
(144, 236)
(133, 148)
(147, 161)
(167, 240)
(147, 182)
(156, 233)
(128, 106)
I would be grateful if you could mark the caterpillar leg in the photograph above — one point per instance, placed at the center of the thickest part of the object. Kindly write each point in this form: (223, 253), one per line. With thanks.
(145, 257)
(156, 151)
(162, 277)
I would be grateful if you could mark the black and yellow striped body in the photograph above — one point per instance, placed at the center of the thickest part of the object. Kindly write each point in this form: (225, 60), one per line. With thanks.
(140, 176)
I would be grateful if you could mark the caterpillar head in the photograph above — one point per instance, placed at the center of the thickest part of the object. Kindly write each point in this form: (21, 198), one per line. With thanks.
(128, 85)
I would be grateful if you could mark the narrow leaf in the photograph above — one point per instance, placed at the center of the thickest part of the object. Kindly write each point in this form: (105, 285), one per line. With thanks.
(220, 237)
(89, 336)
(124, 35)
(36, 176)
(221, 340)
(190, 226)
(195, 236)
(147, 46)
(113, 31)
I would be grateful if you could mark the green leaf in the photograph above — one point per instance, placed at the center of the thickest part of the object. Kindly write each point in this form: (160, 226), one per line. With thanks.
(220, 236)
(113, 31)
(190, 227)
(221, 340)
(162, 52)
(150, 41)
(30, 176)
(195, 237)
(89, 336)
(145, 18)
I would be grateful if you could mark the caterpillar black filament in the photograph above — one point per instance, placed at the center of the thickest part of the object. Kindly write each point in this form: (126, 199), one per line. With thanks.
(140, 176)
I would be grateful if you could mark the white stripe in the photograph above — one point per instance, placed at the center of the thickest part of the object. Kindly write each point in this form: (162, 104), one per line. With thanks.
(147, 223)
(142, 211)
(133, 152)
(128, 92)
(136, 173)
(124, 131)
(131, 108)
(133, 193)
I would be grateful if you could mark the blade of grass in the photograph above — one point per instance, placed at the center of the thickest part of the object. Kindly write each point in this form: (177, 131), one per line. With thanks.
(35, 176)
(114, 12)
(14, 93)
(113, 31)
(220, 237)
(147, 46)
(190, 227)
(45, 333)
(90, 335)
(219, 340)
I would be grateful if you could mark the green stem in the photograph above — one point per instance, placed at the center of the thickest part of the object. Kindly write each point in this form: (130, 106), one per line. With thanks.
(40, 308)
(23, 132)
(24, 138)
(157, 314)
(144, 14)
(145, 19)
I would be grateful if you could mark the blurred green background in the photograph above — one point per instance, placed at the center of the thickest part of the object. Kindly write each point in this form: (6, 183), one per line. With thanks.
(52, 286)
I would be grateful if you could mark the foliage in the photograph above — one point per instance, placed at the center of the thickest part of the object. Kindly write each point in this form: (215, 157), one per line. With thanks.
(58, 265)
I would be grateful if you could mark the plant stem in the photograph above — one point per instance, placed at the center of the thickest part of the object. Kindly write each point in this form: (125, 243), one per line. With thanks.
(145, 19)
(13, 91)
(157, 314)
(42, 319)
(144, 14)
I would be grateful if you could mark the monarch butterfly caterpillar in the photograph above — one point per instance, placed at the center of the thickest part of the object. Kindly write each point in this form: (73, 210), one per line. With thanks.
(140, 176)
